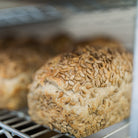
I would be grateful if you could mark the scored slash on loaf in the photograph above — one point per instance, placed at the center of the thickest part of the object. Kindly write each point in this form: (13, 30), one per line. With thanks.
(83, 91)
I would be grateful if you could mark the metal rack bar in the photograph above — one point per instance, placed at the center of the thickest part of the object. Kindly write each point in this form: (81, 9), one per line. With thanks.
(134, 104)
(39, 133)
(14, 131)
(6, 116)
(30, 128)
(57, 136)
(53, 10)
(120, 130)
(3, 112)
(22, 126)
(12, 120)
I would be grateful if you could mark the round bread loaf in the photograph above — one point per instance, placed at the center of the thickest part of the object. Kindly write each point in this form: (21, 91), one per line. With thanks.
(83, 91)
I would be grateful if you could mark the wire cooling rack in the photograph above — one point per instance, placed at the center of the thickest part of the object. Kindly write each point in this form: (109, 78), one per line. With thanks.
(17, 124)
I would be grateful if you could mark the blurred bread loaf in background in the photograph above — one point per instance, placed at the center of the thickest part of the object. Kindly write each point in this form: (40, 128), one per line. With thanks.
(20, 57)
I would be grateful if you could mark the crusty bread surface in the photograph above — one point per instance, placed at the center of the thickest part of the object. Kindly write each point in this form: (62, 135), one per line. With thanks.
(83, 91)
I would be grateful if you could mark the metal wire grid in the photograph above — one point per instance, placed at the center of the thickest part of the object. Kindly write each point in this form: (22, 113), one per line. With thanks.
(17, 125)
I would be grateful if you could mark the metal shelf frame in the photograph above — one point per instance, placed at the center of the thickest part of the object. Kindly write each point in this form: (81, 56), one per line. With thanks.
(134, 104)
(18, 124)
(27, 12)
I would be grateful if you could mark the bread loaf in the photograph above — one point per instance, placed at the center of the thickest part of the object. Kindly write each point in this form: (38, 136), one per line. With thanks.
(20, 57)
(83, 91)
(17, 65)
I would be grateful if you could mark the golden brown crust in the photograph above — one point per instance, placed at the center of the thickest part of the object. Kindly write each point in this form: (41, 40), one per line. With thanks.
(105, 41)
(83, 91)
(90, 63)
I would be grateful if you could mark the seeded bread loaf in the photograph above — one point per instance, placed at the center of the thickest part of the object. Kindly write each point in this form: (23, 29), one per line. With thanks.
(17, 65)
(20, 57)
(83, 91)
